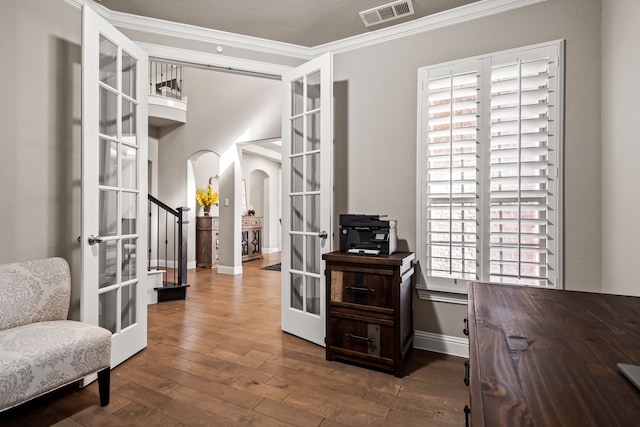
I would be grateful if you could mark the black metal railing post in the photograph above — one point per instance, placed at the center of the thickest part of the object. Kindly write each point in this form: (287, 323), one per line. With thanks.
(182, 244)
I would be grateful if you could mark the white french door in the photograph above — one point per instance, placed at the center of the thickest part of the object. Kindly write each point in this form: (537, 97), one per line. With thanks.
(307, 138)
(114, 185)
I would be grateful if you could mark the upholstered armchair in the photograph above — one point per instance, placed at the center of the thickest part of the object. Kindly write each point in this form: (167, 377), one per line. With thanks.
(40, 350)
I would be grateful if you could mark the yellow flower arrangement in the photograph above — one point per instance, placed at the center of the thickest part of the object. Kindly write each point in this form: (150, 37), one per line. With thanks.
(207, 197)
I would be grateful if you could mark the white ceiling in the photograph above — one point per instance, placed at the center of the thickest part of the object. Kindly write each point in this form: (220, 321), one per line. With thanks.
(301, 22)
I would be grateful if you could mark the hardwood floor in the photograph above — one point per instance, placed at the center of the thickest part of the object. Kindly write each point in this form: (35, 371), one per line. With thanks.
(220, 358)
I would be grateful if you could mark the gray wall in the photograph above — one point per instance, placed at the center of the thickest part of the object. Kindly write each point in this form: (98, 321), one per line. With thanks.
(40, 121)
(376, 88)
(620, 146)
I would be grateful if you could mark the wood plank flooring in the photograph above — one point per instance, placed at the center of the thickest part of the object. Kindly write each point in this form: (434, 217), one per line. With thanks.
(220, 359)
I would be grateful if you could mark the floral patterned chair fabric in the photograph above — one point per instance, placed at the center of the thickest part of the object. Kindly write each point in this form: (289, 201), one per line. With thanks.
(40, 350)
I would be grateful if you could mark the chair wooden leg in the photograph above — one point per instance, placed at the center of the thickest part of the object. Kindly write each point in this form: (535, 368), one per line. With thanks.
(104, 379)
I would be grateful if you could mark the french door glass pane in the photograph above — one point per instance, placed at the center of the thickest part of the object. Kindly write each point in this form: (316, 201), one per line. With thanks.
(313, 131)
(129, 167)
(108, 260)
(128, 307)
(313, 255)
(297, 95)
(313, 213)
(129, 122)
(297, 174)
(296, 291)
(107, 310)
(313, 295)
(313, 91)
(108, 113)
(108, 213)
(296, 213)
(108, 167)
(129, 75)
(313, 172)
(129, 213)
(108, 62)
(297, 246)
(297, 137)
(129, 254)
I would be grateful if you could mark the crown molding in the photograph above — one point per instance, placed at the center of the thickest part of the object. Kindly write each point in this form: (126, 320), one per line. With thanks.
(446, 18)
(216, 37)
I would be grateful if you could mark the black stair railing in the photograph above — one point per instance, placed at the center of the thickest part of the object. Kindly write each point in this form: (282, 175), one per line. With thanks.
(172, 222)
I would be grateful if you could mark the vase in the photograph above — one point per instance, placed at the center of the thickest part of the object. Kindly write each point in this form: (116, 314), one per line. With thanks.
(206, 211)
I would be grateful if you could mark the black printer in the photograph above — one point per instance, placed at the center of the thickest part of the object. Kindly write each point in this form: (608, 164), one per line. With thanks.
(367, 234)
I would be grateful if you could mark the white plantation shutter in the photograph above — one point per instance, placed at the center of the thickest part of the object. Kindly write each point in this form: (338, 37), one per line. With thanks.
(451, 181)
(523, 165)
(489, 158)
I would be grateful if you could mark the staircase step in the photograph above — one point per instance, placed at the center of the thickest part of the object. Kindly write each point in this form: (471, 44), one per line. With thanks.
(171, 292)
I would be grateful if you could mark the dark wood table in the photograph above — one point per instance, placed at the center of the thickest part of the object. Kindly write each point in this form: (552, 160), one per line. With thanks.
(544, 357)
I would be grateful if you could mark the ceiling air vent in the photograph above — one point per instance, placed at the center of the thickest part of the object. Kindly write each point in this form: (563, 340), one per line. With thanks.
(387, 12)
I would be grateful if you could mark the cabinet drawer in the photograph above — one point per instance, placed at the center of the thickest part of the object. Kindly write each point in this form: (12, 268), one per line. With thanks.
(362, 288)
(363, 335)
(256, 222)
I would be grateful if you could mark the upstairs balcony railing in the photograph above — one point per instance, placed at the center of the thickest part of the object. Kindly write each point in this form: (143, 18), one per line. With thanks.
(165, 80)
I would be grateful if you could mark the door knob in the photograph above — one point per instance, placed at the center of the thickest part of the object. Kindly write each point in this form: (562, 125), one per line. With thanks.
(323, 235)
(94, 239)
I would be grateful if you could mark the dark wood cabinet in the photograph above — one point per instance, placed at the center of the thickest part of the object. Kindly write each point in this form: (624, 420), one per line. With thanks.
(544, 357)
(369, 309)
(207, 241)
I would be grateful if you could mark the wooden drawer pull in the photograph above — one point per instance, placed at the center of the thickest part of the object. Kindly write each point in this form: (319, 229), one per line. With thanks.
(359, 289)
(358, 337)
(467, 411)
(466, 373)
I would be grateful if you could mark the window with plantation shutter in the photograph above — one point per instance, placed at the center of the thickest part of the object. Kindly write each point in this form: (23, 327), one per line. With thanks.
(489, 156)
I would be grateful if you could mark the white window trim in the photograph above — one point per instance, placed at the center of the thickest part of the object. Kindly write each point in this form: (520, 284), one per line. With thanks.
(458, 296)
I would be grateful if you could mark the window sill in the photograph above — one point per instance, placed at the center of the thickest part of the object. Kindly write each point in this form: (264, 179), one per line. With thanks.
(448, 297)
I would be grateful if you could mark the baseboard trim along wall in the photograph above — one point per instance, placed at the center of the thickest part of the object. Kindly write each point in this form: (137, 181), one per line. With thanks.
(438, 343)
(223, 269)
(270, 250)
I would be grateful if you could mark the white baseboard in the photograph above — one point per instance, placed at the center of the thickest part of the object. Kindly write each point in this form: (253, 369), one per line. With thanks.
(270, 250)
(438, 343)
(191, 265)
(224, 269)
(154, 280)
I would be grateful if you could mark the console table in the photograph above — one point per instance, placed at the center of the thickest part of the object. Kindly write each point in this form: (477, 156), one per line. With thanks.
(251, 238)
(208, 240)
(547, 358)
